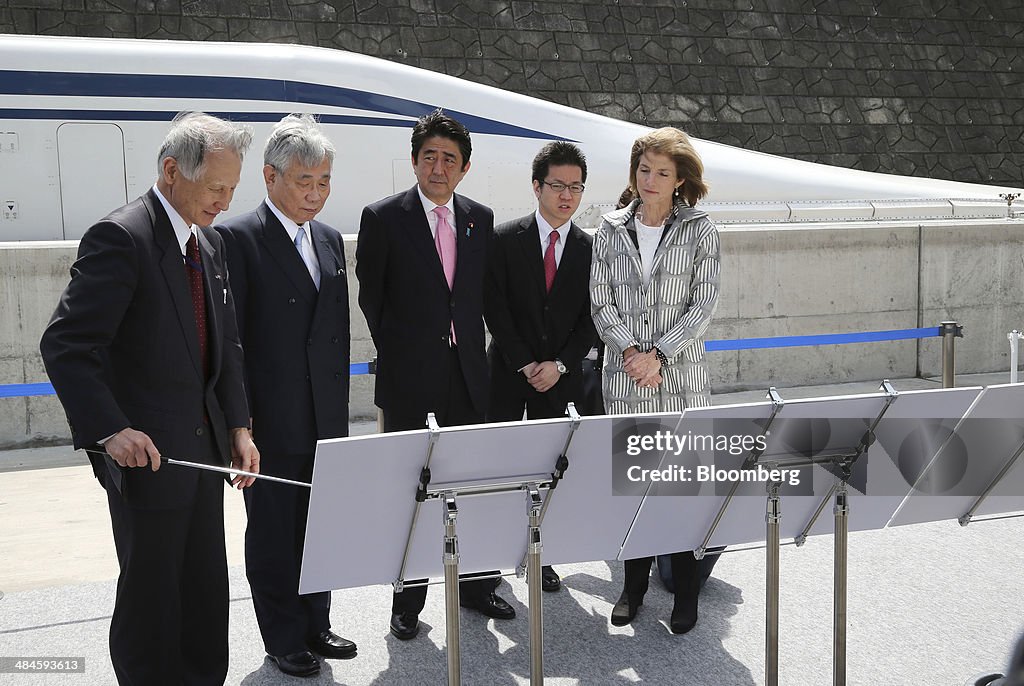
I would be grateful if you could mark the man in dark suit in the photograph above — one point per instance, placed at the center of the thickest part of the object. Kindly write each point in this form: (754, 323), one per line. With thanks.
(537, 301)
(144, 355)
(291, 301)
(420, 260)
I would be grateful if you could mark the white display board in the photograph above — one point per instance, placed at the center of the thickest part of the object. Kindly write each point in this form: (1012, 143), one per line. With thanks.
(363, 491)
(966, 464)
(362, 502)
(802, 428)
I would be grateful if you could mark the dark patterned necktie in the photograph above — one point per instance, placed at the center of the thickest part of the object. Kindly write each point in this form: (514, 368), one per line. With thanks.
(194, 272)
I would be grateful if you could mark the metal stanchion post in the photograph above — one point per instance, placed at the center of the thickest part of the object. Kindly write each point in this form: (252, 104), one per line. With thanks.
(842, 512)
(451, 589)
(1014, 338)
(772, 518)
(533, 578)
(950, 331)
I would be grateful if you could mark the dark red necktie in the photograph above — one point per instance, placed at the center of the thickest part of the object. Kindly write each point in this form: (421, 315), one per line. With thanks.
(549, 260)
(194, 271)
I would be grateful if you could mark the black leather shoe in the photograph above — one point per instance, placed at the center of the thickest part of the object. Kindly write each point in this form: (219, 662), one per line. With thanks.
(331, 645)
(625, 609)
(297, 664)
(405, 625)
(549, 579)
(491, 605)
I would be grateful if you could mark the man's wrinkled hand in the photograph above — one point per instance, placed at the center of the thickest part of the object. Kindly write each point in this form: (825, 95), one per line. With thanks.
(131, 448)
(244, 457)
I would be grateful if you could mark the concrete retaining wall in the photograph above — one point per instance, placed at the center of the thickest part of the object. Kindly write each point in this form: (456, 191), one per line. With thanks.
(776, 281)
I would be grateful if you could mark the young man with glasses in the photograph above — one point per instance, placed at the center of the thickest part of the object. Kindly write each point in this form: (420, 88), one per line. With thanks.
(537, 301)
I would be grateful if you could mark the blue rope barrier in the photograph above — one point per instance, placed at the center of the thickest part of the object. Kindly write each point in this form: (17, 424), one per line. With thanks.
(24, 390)
(821, 339)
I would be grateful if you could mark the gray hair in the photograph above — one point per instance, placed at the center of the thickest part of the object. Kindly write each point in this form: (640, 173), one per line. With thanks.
(300, 138)
(194, 134)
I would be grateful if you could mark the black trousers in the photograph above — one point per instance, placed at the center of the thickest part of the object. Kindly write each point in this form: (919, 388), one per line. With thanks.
(684, 576)
(458, 410)
(170, 621)
(274, 536)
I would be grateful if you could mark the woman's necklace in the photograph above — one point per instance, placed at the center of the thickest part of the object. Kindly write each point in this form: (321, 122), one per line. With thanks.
(645, 219)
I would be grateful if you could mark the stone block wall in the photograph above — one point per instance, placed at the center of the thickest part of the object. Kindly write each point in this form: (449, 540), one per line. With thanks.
(929, 88)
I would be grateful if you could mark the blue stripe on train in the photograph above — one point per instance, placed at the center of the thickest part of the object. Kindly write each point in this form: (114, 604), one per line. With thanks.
(181, 87)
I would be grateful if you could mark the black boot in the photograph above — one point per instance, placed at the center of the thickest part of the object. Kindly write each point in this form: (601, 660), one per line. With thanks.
(625, 609)
(687, 589)
(637, 575)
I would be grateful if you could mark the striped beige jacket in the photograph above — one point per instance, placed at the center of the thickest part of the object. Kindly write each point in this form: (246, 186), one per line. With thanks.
(673, 311)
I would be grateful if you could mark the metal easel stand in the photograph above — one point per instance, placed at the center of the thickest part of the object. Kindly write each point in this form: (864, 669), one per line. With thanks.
(772, 518)
(450, 513)
(533, 578)
(843, 466)
(531, 562)
(531, 565)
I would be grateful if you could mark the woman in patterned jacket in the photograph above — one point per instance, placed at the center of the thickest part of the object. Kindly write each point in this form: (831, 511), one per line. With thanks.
(653, 288)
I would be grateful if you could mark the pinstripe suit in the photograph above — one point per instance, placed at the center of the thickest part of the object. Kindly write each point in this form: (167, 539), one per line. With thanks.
(673, 311)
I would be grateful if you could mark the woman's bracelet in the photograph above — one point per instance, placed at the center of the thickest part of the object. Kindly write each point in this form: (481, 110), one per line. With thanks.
(661, 356)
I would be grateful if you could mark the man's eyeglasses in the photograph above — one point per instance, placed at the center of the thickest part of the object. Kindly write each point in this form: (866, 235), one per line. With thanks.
(558, 187)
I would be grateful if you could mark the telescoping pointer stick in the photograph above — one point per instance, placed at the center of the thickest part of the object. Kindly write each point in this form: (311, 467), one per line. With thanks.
(222, 470)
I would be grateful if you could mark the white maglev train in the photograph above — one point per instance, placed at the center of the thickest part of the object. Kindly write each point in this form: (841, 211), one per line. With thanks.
(81, 120)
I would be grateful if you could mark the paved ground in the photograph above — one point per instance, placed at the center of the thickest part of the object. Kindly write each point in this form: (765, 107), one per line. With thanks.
(931, 604)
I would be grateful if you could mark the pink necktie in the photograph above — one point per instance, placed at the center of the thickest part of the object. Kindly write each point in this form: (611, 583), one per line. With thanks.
(444, 241)
(549, 260)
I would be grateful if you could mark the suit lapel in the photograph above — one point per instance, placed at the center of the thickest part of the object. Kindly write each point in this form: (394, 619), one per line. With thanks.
(172, 266)
(467, 238)
(528, 238)
(332, 266)
(282, 250)
(573, 255)
(418, 232)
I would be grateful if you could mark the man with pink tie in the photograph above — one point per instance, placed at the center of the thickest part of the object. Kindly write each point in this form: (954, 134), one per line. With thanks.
(420, 261)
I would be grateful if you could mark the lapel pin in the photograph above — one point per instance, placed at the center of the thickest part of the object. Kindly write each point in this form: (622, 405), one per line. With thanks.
(469, 227)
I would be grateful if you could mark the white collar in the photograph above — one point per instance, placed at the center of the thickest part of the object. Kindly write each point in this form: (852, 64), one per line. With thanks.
(429, 205)
(546, 229)
(182, 231)
(289, 226)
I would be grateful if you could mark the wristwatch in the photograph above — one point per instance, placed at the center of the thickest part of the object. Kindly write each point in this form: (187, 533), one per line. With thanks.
(562, 369)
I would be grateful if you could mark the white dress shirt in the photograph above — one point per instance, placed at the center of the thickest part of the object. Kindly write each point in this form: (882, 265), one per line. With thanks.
(292, 229)
(648, 237)
(182, 231)
(428, 209)
(545, 230)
